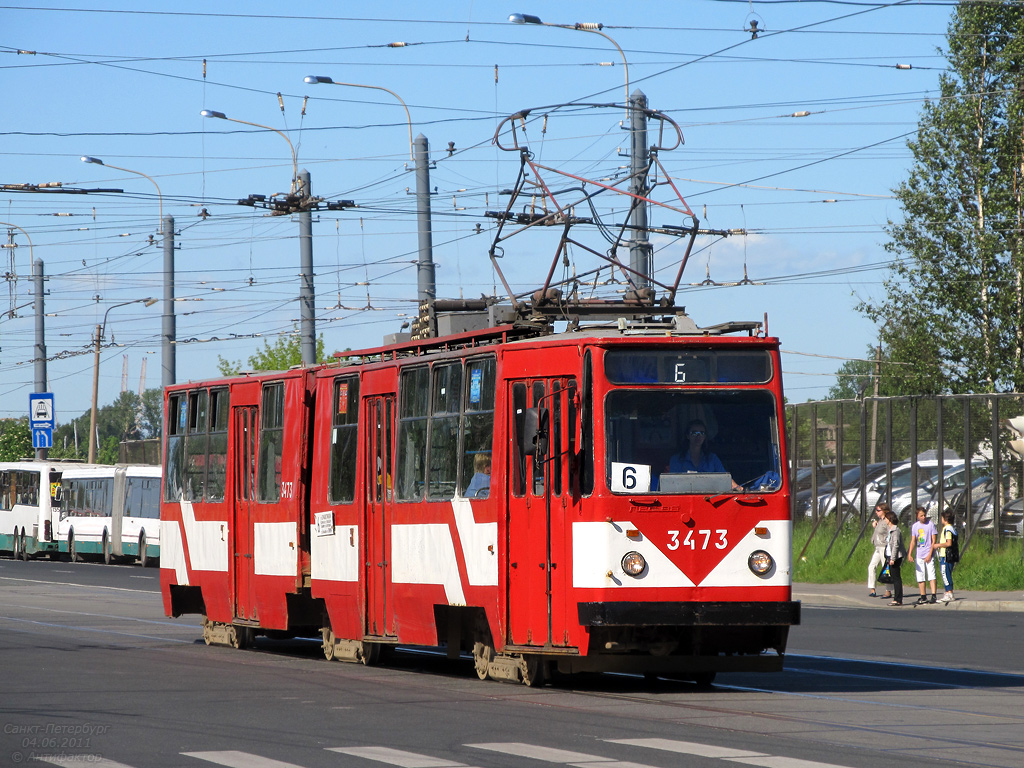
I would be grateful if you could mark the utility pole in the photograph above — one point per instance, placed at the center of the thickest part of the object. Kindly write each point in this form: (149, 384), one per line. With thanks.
(427, 289)
(639, 246)
(874, 405)
(40, 346)
(168, 348)
(307, 309)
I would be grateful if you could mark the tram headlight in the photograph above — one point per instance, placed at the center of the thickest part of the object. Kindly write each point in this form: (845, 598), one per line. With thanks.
(760, 563)
(633, 564)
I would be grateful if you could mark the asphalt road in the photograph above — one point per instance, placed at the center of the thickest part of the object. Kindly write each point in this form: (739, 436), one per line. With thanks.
(92, 673)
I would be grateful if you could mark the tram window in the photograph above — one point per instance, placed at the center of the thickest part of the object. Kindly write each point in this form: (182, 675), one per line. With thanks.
(646, 437)
(443, 437)
(478, 428)
(196, 445)
(217, 446)
(518, 468)
(573, 416)
(537, 462)
(344, 431)
(587, 417)
(268, 472)
(413, 393)
(689, 367)
(555, 439)
(177, 409)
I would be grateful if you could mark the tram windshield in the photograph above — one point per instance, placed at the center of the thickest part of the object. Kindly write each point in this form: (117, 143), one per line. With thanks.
(673, 441)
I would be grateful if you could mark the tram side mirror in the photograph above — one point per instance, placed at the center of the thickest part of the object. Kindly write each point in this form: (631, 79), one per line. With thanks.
(535, 432)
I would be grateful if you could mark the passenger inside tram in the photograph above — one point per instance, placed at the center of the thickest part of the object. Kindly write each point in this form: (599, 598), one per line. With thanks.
(480, 485)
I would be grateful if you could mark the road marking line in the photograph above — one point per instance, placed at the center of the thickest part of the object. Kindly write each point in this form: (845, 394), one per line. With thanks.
(543, 753)
(774, 761)
(397, 757)
(234, 759)
(99, 762)
(688, 748)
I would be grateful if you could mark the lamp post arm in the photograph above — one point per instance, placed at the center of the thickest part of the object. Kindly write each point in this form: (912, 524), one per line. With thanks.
(295, 162)
(408, 117)
(159, 194)
(31, 258)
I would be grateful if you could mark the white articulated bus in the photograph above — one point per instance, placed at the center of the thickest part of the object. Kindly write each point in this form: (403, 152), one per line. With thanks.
(110, 511)
(28, 506)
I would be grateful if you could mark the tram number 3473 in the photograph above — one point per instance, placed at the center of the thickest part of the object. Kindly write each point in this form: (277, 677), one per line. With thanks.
(691, 540)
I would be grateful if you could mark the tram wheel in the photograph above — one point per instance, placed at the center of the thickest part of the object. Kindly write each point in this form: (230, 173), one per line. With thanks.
(370, 654)
(482, 656)
(534, 671)
(328, 635)
(107, 556)
(704, 679)
(143, 554)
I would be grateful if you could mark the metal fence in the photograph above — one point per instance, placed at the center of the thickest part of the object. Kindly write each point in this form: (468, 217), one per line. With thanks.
(942, 452)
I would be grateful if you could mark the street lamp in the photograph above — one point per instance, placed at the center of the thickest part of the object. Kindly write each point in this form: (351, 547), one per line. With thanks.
(419, 154)
(96, 370)
(222, 116)
(582, 26)
(166, 228)
(314, 79)
(159, 195)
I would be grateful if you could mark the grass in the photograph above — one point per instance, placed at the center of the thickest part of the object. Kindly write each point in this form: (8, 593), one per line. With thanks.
(982, 566)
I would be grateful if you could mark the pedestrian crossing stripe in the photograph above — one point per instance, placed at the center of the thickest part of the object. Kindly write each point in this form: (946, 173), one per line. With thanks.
(234, 759)
(397, 757)
(78, 759)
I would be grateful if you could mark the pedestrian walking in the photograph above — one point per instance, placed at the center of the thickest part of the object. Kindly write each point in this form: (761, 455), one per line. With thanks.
(878, 538)
(894, 554)
(922, 546)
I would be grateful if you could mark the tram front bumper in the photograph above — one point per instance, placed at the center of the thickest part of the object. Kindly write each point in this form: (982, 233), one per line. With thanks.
(695, 614)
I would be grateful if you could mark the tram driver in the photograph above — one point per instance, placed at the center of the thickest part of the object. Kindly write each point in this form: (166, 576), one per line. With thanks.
(695, 457)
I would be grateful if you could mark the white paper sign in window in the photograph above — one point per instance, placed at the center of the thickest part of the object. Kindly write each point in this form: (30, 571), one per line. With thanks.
(631, 478)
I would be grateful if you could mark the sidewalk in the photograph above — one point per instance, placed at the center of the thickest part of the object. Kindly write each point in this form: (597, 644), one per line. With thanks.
(856, 596)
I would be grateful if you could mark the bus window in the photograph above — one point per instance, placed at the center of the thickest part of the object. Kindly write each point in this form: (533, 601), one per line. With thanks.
(478, 428)
(268, 472)
(413, 394)
(443, 450)
(344, 431)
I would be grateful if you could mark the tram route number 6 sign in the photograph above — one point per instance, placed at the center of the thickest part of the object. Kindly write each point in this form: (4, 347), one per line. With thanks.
(631, 478)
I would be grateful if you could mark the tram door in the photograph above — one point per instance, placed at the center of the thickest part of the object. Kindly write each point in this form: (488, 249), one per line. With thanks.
(540, 495)
(380, 412)
(244, 450)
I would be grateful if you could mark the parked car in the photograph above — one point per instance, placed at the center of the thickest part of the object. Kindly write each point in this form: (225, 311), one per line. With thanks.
(849, 498)
(981, 518)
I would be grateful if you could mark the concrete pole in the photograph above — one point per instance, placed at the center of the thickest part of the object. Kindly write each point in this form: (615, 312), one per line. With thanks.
(95, 395)
(639, 246)
(168, 348)
(39, 351)
(427, 289)
(307, 313)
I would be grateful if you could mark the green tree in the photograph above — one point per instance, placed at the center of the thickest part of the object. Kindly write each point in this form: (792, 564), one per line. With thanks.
(129, 417)
(953, 309)
(279, 356)
(15, 440)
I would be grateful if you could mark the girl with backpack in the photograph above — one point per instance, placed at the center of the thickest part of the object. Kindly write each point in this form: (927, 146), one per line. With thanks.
(949, 553)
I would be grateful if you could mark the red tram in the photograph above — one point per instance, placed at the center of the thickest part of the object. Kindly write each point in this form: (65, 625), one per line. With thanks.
(517, 498)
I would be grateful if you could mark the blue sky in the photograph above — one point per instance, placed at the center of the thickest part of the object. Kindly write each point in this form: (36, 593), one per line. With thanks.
(126, 83)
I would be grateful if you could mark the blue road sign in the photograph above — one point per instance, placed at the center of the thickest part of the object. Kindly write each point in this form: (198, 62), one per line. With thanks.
(40, 411)
(42, 437)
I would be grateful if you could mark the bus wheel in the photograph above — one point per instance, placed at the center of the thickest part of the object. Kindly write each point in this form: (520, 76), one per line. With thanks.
(107, 557)
(143, 554)
(72, 550)
(16, 551)
(24, 549)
